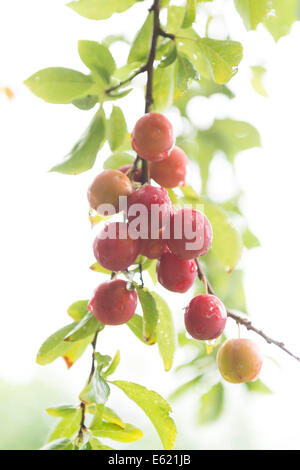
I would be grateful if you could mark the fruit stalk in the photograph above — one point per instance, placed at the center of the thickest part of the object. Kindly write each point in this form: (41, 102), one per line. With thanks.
(244, 321)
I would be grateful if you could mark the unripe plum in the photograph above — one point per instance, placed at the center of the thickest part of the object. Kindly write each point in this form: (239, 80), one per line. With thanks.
(106, 188)
(176, 274)
(127, 169)
(152, 137)
(113, 247)
(205, 317)
(239, 360)
(113, 303)
(155, 205)
(190, 233)
(170, 172)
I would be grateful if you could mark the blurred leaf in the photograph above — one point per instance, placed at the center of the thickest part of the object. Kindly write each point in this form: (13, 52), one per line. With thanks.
(152, 272)
(86, 103)
(186, 387)
(176, 15)
(100, 9)
(170, 56)
(250, 240)
(284, 14)
(257, 79)
(213, 59)
(253, 12)
(88, 326)
(83, 155)
(163, 87)
(96, 391)
(55, 346)
(184, 73)
(59, 85)
(166, 336)
(116, 128)
(150, 314)
(78, 310)
(98, 59)
(259, 387)
(111, 38)
(59, 444)
(113, 365)
(111, 431)
(123, 73)
(211, 404)
(67, 427)
(76, 351)
(118, 159)
(141, 44)
(62, 411)
(156, 408)
(99, 269)
(97, 445)
(190, 13)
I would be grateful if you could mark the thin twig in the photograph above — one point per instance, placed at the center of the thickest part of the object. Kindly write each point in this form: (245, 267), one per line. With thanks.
(164, 34)
(129, 79)
(244, 321)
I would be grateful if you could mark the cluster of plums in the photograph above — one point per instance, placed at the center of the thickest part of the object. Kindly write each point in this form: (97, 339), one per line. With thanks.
(116, 248)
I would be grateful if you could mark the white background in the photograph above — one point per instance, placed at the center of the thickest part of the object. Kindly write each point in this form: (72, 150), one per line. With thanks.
(46, 238)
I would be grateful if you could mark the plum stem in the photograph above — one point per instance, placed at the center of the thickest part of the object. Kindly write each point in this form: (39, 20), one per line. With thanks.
(244, 321)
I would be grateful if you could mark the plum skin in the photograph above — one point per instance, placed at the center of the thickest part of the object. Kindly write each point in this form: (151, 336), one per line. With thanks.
(171, 171)
(115, 253)
(175, 274)
(196, 221)
(107, 187)
(239, 360)
(113, 303)
(152, 137)
(205, 317)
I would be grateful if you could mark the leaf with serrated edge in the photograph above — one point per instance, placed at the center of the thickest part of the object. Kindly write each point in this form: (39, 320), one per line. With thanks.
(156, 408)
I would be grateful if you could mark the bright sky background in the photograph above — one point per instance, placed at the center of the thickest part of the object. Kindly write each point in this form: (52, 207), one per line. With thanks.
(46, 238)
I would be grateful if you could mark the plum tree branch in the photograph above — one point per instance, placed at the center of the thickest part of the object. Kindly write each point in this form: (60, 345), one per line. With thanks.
(243, 321)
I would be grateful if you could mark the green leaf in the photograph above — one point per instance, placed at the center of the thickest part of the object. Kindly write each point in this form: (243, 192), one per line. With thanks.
(166, 335)
(100, 9)
(99, 269)
(98, 59)
(96, 391)
(78, 310)
(116, 129)
(111, 431)
(118, 159)
(150, 314)
(76, 351)
(141, 44)
(54, 346)
(257, 78)
(250, 240)
(113, 365)
(184, 73)
(125, 72)
(136, 326)
(176, 15)
(259, 387)
(86, 103)
(152, 272)
(169, 56)
(284, 14)
(88, 326)
(163, 87)
(67, 427)
(211, 405)
(213, 59)
(59, 444)
(61, 411)
(155, 407)
(253, 12)
(186, 387)
(190, 13)
(59, 85)
(108, 414)
(83, 155)
(97, 445)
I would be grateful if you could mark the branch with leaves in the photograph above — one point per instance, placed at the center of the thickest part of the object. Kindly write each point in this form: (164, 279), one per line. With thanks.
(180, 64)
